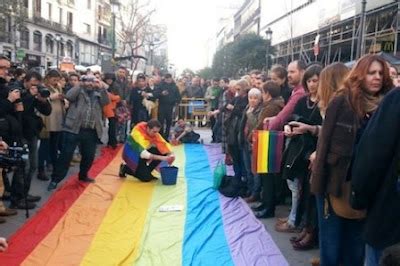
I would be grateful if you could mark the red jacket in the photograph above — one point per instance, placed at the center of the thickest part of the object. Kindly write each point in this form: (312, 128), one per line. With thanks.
(283, 117)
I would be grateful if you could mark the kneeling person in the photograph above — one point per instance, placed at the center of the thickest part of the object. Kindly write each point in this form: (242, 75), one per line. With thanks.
(144, 150)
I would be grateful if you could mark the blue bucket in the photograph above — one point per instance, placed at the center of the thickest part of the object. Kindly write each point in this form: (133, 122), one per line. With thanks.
(169, 175)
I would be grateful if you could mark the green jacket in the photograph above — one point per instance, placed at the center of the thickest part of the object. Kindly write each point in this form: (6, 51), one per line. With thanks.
(213, 96)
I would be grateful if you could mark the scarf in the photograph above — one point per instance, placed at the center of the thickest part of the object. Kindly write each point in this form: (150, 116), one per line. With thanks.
(371, 102)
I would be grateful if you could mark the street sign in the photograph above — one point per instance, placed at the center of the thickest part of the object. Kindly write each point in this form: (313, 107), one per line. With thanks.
(21, 54)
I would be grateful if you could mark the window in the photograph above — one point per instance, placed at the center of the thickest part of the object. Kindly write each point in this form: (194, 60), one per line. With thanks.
(26, 3)
(99, 13)
(5, 29)
(62, 49)
(49, 43)
(99, 39)
(49, 8)
(37, 41)
(70, 49)
(70, 19)
(38, 7)
(60, 14)
(89, 4)
(87, 28)
(105, 33)
(24, 39)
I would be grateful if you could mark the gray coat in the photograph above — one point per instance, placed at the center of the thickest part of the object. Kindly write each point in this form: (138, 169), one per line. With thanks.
(79, 99)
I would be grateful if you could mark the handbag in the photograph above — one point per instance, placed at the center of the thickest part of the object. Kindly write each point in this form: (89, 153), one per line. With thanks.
(232, 187)
(341, 205)
(267, 151)
(219, 173)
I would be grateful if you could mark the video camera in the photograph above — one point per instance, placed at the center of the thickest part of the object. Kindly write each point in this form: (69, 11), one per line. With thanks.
(43, 91)
(14, 156)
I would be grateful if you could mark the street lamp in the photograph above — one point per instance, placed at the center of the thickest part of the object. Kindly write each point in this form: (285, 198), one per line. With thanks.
(58, 39)
(115, 4)
(151, 46)
(268, 34)
(361, 39)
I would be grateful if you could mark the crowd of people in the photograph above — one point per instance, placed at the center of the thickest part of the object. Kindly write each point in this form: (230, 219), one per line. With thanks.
(340, 164)
(341, 161)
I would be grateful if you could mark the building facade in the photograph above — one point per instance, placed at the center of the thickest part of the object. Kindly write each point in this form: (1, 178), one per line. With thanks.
(52, 31)
(319, 30)
(328, 31)
(45, 36)
(247, 18)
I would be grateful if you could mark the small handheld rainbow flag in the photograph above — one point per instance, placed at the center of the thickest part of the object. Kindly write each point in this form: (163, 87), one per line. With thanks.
(138, 141)
(267, 151)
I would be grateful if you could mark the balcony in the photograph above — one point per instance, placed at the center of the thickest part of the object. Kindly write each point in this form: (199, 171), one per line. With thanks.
(105, 41)
(52, 25)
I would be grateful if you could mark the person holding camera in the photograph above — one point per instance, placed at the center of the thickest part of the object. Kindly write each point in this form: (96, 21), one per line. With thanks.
(7, 99)
(50, 142)
(4, 211)
(34, 99)
(10, 127)
(83, 125)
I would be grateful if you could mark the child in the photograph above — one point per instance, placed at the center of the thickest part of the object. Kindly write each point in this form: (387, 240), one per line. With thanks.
(183, 132)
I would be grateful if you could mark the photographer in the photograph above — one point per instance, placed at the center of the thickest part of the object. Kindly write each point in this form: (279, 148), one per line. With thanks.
(10, 119)
(34, 100)
(6, 99)
(83, 125)
(4, 211)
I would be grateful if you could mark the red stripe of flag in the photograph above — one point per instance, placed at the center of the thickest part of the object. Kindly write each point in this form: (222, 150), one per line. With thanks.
(24, 241)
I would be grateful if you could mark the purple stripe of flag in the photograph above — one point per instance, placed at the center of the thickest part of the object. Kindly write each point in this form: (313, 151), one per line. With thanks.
(249, 242)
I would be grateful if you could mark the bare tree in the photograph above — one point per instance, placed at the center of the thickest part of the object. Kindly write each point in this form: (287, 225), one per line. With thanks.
(135, 17)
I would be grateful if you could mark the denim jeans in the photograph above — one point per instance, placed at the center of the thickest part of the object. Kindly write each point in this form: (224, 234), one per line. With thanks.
(238, 165)
(44, 154)
(253, 181)
(165, 113)
(372, 256)
(217, 129)
(340, 239)
(55, 145)
(112, 131)
(294, 187)
(32, 165)
(121, 131)
(87, 140)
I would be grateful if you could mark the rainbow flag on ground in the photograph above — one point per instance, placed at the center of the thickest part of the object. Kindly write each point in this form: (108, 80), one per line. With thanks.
(118, 221)
(267, 151)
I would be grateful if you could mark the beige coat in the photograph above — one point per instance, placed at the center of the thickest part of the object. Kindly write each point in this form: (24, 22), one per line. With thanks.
(54, 122)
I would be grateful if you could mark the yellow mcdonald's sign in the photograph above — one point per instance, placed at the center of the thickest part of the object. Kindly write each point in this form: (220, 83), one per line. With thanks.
(388, 46)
